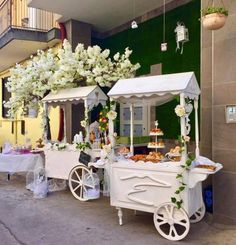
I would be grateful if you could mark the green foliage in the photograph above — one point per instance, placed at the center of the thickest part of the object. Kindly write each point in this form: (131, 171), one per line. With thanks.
(212, 9)
(177, 98)
(83, 146)
(188, 162)
(179, 203)
(180, 176)
(173, 200)
(103, 119)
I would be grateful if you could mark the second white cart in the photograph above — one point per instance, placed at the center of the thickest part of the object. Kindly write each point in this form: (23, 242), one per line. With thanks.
(65, 164)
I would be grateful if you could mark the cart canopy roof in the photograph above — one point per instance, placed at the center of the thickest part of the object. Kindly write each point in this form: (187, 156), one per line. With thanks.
(92, 94)
(155, 90)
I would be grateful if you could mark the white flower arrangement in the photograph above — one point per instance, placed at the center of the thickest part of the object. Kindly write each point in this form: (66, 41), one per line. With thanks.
(186, 138)
(52, 71)
(180, 111)
(60, 146)
(83, 123)
(111, 115)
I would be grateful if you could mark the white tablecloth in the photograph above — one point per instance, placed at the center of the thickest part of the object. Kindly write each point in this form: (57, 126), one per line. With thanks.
(12, 163)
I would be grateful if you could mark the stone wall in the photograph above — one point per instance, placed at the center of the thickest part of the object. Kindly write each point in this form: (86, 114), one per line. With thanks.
(218, 84)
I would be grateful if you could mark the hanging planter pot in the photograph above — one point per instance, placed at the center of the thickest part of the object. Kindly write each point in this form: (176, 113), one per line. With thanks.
(214, 21)
(214, 18)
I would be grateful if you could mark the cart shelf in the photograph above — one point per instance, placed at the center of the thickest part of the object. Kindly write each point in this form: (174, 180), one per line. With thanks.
(156, 146)
(156, 134)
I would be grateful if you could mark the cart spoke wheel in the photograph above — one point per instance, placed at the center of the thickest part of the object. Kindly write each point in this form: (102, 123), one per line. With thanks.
(77, 175)
(181, 223)
(90, 186)
(172, 223)
(78, 186)
(198, 216)
(76, 182)
(173, 231)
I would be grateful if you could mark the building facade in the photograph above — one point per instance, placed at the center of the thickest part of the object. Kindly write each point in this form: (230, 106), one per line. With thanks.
(211, 55)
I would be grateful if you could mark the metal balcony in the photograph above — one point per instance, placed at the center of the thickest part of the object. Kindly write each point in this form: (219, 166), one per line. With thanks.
(16, 14)
(24, 30)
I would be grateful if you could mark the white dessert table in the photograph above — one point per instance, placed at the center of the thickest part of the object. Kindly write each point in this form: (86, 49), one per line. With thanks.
(14, 163)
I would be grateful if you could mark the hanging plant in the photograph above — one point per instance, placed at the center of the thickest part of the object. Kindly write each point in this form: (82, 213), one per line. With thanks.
(214, 18)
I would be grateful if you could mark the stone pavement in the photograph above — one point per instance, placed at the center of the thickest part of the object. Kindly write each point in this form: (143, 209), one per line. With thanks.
(60, 219)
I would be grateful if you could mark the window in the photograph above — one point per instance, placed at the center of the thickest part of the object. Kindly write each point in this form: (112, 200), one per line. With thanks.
(141, 120)
(5, 96)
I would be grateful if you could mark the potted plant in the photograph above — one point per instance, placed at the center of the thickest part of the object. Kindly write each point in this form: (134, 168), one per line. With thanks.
(213, 18)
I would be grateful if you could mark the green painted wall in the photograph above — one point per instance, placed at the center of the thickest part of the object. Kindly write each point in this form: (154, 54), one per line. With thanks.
(145, 43)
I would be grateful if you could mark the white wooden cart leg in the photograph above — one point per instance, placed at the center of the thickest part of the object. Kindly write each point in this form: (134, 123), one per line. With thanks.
(120, 215)
(135, 212)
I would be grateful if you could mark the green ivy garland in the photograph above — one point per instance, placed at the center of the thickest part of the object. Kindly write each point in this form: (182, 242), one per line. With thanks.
(177, 199)
(184, 139)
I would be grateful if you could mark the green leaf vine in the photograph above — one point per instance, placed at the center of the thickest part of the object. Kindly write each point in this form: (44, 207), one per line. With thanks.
(177, 198)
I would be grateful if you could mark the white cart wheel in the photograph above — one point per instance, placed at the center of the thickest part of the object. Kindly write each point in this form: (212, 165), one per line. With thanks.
(76, 182)
(198, 216)
(172, 223)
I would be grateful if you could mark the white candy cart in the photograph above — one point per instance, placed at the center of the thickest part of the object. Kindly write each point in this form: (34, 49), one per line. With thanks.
(64, 164)
(147, 186)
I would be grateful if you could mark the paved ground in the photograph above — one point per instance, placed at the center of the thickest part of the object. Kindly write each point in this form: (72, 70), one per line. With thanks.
(60, 219)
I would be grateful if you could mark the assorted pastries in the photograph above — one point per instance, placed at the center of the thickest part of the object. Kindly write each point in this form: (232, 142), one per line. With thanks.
(156, 144)
(174, 154)
(154, 157)
(156, 131)
(175, 158)
(123, 150)
(206, 166)
(176, 150)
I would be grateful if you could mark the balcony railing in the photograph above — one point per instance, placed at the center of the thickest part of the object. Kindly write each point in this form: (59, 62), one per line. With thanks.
(16, 13)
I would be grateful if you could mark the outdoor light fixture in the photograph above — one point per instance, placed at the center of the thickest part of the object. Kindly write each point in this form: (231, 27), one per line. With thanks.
(164, 44)
(163, 47)
(181, 36)
(134, 24)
